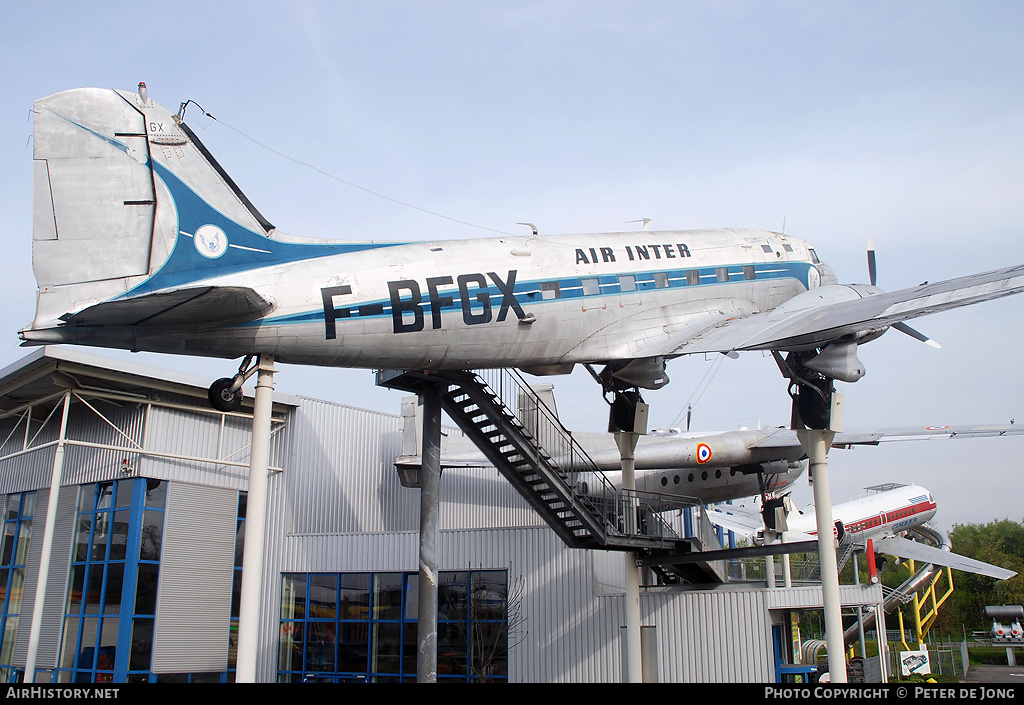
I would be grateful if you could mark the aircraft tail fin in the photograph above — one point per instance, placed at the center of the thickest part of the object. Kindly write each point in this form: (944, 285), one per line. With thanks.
(534, 407)
(117, 180)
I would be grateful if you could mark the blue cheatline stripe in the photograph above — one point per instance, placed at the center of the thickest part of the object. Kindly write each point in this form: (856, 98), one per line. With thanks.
(529, 293)
(247, 250)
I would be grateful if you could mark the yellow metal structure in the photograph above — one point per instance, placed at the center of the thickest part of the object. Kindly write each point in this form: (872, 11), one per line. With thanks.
(926, 605)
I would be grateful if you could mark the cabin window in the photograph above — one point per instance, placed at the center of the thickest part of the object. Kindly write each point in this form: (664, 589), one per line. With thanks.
(722, 273)
(748, 272)
(627, 282)
(550, 290)
(692, 277)
(661, 280)
(591, 287)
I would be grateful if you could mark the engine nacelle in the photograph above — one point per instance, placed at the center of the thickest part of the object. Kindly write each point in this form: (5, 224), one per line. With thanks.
(838, 361)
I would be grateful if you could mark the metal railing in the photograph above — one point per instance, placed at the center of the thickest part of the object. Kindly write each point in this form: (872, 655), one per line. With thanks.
(626, 513)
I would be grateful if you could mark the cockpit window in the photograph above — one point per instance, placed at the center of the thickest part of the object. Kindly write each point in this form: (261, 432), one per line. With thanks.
(787, 247)
(814, 256)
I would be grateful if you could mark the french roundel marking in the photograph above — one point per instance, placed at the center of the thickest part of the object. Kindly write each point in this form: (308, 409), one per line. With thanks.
(703, 453)
(936, 428)
(210, 241)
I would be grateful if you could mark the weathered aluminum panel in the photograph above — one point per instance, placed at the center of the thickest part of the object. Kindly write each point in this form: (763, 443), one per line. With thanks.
(100, 221)
(193, 615)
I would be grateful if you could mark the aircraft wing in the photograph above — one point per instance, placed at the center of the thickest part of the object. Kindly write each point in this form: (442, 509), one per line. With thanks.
(823, 321)
(193, 307)
(904, 548)
(744, 519)
(786, 438)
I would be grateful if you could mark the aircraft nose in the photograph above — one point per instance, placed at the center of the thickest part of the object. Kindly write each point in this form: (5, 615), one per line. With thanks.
(828, 275)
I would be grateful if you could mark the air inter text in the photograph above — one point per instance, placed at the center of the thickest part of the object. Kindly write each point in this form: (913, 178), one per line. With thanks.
(633, 253)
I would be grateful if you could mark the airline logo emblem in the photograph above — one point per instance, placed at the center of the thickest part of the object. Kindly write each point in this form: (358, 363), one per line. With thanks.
(703, 453)
(210, 241)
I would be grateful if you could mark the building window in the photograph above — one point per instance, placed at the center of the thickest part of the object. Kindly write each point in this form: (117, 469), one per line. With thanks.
(18, 510)
(110, 608)
(360, 627)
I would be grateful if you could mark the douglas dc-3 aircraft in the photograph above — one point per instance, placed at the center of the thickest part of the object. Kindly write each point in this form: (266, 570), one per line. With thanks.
(141, 241)
(881, 517)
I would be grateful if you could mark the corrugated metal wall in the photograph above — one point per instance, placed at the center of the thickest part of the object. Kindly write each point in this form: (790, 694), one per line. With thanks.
(711, 637)
(338, 506)
(341, 478)
(193, 607)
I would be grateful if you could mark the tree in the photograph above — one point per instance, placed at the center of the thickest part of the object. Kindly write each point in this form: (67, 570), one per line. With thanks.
(999, 543)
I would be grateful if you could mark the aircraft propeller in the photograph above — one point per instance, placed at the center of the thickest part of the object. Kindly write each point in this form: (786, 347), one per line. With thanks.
(900, 326)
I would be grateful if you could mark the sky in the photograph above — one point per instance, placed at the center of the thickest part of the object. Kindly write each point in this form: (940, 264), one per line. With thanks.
(403, 120)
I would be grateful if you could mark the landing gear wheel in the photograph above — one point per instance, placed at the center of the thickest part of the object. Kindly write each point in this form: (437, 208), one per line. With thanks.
(222, 398)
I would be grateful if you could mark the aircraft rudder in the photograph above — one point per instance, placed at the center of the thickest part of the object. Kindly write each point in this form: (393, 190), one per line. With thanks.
(117, 179)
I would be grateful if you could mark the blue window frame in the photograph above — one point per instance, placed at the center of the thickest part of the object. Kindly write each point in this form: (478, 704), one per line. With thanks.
(18, 511)
(110, 607)
(361, 627)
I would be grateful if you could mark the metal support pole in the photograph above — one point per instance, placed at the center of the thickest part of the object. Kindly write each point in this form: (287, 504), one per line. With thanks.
(634, 657)
(882, 637)
(860, 610)
(816, 444)
(48, 532)
(769, 560)
(430, 477)
(255, 524)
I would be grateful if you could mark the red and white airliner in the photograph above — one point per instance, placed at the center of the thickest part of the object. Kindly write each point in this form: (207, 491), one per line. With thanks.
(880, 517)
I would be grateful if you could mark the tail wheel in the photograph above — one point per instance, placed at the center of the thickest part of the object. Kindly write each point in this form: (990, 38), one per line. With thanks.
(222, 398)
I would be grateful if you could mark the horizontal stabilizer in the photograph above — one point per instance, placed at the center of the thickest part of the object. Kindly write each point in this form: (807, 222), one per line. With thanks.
(742, 519)
(194, 306)
(904, 548)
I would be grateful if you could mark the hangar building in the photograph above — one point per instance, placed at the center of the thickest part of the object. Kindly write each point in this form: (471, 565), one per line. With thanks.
(124, 501)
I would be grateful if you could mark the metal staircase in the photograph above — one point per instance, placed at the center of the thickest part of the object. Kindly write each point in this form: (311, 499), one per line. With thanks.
(844, 550)
(543, 462)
